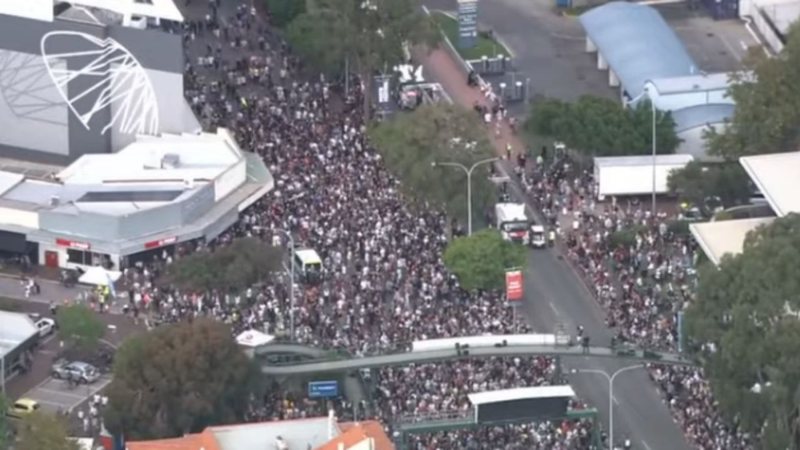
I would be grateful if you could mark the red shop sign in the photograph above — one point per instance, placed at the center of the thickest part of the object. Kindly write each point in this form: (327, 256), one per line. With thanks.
(514, 292)
(160, 242)
(73, 244)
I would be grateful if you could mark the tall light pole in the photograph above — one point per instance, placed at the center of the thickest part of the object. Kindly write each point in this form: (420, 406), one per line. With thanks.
(468, 171)
(291, 282)
(653, 110)
(610, 379)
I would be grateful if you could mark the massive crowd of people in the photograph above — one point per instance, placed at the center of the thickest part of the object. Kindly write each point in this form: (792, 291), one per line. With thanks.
(641, 269)
(384, 283)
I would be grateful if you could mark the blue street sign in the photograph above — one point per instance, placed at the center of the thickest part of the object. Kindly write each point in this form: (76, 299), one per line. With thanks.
(323, 389)
(467, 23)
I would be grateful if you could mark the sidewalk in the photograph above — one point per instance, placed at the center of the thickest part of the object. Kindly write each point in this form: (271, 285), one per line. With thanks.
(51, 292)
(444, 70)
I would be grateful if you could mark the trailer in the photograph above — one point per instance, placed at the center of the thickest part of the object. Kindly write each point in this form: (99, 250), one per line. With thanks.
(633, 175)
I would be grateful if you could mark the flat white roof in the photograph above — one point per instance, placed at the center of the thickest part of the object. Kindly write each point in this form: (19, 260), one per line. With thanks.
(297, 434)
(199, 158)
(727, 237)
(777, 176)
(15, 328)
(8, 180)
(43, 9)
(690, 83)
(308, 256)
(644, 160)
(505, 395)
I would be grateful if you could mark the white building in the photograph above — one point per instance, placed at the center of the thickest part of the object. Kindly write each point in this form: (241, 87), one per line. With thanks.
(156, 192)
(771, 19)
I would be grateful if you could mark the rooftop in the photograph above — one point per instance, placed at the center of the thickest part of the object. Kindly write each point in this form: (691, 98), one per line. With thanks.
(15, 328)
(776, 176)
(637, 44)
(644, 160)
(505, 395)
(702, 115)
(690, 83)
(44, 9)
(725, 238)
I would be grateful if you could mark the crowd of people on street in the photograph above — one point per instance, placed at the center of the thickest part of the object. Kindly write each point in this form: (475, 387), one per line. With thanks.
(640, 267)
(384, 283)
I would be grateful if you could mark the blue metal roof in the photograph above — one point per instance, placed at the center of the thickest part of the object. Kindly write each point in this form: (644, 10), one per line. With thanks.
(637, 44)
(699, 115)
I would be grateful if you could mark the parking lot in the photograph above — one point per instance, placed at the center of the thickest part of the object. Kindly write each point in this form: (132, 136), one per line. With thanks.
(57, 395)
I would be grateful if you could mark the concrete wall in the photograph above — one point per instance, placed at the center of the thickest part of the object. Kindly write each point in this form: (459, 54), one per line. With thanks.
(681, 100)
(63, 137)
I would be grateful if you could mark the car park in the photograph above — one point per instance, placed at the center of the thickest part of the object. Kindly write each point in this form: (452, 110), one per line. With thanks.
(78, 371)
(22, 407)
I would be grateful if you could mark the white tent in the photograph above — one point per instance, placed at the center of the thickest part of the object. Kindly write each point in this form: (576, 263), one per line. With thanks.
(253, 338)
(99, 276)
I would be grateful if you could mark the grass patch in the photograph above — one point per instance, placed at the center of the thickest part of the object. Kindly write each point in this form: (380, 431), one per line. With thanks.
(485, 45)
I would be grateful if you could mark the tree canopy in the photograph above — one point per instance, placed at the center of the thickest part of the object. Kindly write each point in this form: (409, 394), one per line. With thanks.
(698, 181)
(480, 261)
(179, 379)
(599, 126)
(234, 267)
(767, 98)
(369, 33)
(41, 430)
(80, 327)
(748, 309)
(282, 12)
(410, 143)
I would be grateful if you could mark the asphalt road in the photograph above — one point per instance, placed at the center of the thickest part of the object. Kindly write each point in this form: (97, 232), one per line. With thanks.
(556, 296)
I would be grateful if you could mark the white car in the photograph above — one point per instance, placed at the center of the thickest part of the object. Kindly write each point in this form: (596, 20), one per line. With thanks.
(45, 326)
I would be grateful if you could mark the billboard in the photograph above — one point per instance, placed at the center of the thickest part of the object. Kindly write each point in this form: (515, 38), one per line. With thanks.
(514, 289)
(323, 389)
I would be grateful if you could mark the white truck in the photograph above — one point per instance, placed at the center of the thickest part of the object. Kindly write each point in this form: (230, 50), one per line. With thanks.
(537, 237)
(512, 221)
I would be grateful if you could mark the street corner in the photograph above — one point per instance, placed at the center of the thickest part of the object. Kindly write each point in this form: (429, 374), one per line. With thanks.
(58, 396)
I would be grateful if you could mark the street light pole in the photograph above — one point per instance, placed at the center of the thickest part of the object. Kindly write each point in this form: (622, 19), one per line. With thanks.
(653, 199)
(291, 283)
(468, 171)
(610, 379)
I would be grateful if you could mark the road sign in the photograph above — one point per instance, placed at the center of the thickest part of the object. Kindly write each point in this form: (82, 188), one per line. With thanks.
(323, 389)
(467, 23)
(514, 291)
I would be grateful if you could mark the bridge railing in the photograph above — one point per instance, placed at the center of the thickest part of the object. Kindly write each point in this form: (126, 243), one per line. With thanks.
(436, 416)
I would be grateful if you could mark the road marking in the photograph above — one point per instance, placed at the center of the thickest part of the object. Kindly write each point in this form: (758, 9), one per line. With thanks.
(730, 48)
(64, 393)
(553, 308)
(48, 402)
(647, 447)
(98, 386)
(616, 402)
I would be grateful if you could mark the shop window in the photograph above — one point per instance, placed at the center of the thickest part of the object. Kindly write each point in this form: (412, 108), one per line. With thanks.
(87, 258)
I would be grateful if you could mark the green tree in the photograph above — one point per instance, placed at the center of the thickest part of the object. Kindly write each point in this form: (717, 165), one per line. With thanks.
(179, 379)
(41, 430)
(480, 261)
(410, 143)
(80, 327)
(698, 181)
(370, 34)
(282, 12)
(748, 309)
(767, 98)
(602, 127)
(237, 266)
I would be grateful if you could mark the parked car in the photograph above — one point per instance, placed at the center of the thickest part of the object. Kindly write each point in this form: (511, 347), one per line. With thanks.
(45, 326)
(77, 370)
(22, 407)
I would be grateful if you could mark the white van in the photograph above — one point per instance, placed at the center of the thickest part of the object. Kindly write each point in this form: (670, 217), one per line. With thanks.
(307, 264)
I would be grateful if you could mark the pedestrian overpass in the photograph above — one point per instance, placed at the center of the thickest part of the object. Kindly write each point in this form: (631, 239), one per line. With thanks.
(438, 350)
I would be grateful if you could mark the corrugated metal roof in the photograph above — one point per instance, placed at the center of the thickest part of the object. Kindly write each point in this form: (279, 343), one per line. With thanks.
(700, 115)
(777, 176)
(637, 43)
(643, 160)
(692, 83)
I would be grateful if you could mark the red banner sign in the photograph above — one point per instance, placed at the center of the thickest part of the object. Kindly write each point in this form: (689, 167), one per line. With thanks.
(160, 242)
(514, 292)
(73, 244)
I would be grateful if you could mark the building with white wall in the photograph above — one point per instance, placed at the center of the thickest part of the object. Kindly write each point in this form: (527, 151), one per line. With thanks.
(154, 193)
(646, 60)
(771, 19)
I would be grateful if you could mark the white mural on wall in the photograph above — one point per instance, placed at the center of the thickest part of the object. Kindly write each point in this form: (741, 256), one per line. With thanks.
(102, 73)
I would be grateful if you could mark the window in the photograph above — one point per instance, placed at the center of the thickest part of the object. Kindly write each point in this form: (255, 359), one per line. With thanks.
(86, 258)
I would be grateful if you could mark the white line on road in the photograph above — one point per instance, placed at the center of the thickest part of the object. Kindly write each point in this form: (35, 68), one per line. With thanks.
(51, 403)
(616, 402)
(646, 447)
(553, 307)
(64, 393)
